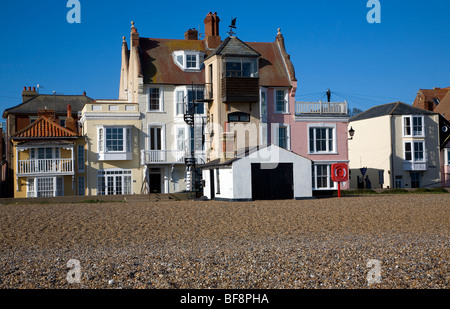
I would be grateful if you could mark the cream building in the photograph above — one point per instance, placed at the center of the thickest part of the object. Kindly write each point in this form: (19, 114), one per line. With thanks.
(112, 132)
(395, 146)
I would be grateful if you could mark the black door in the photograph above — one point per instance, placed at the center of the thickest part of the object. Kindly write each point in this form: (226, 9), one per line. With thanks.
(273, 183)
(155, 183)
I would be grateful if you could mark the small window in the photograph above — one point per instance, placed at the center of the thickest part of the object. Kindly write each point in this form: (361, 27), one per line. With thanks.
(238, 117)
(281, 101)
(154, 99)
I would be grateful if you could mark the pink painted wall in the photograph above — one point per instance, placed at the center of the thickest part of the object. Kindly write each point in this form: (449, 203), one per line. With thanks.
(299, 132)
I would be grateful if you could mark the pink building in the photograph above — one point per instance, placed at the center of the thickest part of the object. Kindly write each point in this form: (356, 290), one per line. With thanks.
(315, 130)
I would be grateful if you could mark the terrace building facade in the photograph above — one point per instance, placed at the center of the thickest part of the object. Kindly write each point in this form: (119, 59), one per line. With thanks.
(395, 146)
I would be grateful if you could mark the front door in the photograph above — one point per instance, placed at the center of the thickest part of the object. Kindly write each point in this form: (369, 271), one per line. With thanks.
(155, 183)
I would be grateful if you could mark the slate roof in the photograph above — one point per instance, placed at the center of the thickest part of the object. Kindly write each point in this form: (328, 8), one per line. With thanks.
(58, 103)
(43, 127)
(232, 46)
(396, 108)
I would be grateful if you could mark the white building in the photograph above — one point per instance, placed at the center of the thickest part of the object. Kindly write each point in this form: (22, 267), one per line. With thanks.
(270, 173)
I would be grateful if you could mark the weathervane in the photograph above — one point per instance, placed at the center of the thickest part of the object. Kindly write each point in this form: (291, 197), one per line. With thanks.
(232, 26)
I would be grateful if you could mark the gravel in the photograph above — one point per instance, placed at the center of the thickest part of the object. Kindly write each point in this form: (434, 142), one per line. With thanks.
(311, 244)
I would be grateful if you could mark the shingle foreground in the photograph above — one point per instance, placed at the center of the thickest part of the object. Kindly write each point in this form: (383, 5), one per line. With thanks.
(324, 243)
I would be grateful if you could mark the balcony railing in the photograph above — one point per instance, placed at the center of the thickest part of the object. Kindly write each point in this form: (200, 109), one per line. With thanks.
(45, 166)
(414, 166)
(321, 108)
(170, 156)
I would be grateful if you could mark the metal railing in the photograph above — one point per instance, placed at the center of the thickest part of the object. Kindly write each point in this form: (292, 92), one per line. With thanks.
(321, 108)
(169, 156)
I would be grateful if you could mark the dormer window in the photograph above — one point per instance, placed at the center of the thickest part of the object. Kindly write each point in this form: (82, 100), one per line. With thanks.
(188, 60)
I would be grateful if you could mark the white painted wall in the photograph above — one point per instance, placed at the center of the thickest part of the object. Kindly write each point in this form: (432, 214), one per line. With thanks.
(272, 154)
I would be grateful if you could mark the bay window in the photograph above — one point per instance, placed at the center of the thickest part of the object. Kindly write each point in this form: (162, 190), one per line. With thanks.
(414, 151)
(114, 143)
(413, 126)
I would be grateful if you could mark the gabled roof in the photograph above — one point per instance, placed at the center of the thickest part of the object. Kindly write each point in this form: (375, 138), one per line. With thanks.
(232, 46)
(444, 107)
(396, 108)
(58, 103)
(44, 128)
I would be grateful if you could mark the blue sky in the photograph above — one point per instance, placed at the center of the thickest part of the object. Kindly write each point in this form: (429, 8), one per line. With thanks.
(330, 42)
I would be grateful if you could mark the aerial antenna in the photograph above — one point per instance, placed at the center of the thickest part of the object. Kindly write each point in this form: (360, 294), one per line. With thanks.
(232, 26)
(329, 95)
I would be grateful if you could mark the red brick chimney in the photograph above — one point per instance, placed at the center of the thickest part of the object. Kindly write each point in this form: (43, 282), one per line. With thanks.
(212, 30)
(191, 34)
(70, 121)
(28, 94)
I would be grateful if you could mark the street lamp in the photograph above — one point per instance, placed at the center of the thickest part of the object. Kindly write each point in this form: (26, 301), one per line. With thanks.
(351, 132)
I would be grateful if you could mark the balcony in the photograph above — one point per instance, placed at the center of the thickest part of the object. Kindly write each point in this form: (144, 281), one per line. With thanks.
(169, 157)
(321, 108)
(45, 167)
(240, 89)
(414, 166)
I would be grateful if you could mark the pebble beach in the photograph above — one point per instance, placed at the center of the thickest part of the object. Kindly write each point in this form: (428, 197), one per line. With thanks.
(327, 243)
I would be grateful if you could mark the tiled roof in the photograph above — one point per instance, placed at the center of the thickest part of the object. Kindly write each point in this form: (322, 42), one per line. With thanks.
(396, 108)
(58, 103)
(159, 67)
(444, 107)
(157, 62)
(44, 128)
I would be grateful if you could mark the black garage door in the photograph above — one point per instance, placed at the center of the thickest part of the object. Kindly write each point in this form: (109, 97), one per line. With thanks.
(273, 183)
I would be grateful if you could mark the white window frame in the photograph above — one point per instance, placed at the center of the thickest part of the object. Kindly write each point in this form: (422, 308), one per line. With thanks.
(447, 156)
(33, 186)
(412, 133)
(126, 178)
(326, 126)
(185, 90)
(276, 137)
(413, 155)
(162, 126)
(183, 54)
(286, 101)
(161, 100)
(111, 155)
(177, 139)
(329, 180)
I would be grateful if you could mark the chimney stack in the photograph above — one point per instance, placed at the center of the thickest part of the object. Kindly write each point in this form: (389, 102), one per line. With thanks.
(70, 121)
(212, 37)
(191, 34)
(28, 94)
(134, 35)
